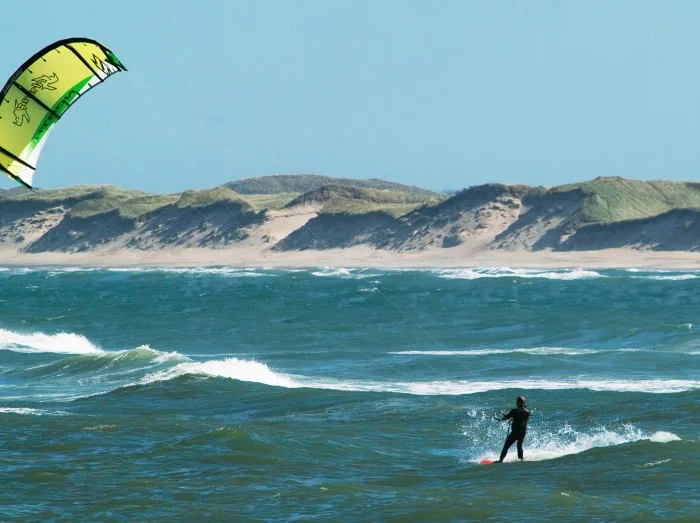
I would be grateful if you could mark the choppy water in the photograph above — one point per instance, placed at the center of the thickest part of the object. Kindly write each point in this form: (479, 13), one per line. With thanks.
(347, 394)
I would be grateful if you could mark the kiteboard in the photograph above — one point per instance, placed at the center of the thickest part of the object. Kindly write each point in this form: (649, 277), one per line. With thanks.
(487, 462)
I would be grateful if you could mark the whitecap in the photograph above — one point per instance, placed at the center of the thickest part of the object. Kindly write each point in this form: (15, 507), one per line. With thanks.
(675, 277)
(333, 272)
(62, 343)
(234, 368)
(473, 274)
(663, 437)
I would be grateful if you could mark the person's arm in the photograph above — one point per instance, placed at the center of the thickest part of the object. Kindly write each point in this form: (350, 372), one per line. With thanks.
(507, 417)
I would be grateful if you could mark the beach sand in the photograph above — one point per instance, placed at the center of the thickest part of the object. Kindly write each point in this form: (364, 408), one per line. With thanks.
(358, 256)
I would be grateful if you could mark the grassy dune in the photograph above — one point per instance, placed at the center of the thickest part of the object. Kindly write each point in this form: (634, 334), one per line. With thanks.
(603, 200)
(261, 202)
(359, 207)
(615, 199)
(301, 183)
(336, 199)
(213, 196)
(130, 208)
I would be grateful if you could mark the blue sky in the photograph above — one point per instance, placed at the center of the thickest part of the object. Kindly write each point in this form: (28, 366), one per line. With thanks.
(442, 94)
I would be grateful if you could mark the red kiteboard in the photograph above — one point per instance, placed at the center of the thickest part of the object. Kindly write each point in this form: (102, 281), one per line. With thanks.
(486, 462)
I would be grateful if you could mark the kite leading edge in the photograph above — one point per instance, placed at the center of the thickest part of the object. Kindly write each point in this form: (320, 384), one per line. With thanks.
(39, 93)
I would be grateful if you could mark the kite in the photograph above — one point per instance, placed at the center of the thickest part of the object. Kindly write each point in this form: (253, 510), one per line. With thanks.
(39, 93)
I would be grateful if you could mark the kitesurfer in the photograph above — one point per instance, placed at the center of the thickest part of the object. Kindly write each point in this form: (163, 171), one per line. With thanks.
(518, 427)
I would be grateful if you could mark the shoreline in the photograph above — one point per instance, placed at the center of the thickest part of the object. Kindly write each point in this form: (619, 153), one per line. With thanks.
(356, 257)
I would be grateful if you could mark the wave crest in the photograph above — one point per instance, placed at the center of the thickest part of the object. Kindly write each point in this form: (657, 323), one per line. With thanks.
(233, 368)
(61, 343)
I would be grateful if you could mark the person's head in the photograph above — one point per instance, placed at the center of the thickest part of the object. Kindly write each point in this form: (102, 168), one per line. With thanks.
(520, 402)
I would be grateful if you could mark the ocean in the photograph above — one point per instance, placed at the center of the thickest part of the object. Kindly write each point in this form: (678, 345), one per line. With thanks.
(347, 394)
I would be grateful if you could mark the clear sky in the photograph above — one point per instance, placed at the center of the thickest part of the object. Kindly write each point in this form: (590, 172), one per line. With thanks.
(442, 94)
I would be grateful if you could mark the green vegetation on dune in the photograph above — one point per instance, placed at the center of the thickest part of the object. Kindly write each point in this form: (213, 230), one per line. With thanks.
(270, 201)
(11, 193)
(129, 204)
(395, 210)
(603, 200)
(77, 192)
(208, 197)
(302, 183)
(132, 204)
(329, 193)
(608, 200)
(136, 207)
(129, 208)
(336, 199)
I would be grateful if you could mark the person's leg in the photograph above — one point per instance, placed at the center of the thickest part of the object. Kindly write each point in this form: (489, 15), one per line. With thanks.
(509, 441)
(520, 446)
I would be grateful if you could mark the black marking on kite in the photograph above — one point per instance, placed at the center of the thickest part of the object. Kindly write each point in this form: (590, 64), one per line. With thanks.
(85, 62)
(101, 65)
(42, 104)
(16, 158)
(16, 178)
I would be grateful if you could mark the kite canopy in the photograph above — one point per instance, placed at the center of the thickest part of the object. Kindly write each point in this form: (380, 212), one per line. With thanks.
(35, 98)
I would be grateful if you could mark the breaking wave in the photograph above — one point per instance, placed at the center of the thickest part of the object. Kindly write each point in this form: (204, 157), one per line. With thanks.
(61, 343)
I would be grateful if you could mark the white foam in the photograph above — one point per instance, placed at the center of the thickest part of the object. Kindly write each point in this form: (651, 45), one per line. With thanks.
(455, 388)
(62, 343)
(223, 271)
(12, 270)
(473, 274)
(220, 271)
(654, 463)
(341, 272)
(25, 411)
(675, 277)
(663, 437)
(154, 356)
(482, 352)
(68, 270)
(165, 357)
(657, 271)
(333, 272)
(567, 441)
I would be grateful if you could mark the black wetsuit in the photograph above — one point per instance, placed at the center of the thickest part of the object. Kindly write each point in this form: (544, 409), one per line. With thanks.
(518, 429)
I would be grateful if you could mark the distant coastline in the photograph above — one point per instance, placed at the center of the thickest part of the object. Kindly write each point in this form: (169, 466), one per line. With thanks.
(312, 221)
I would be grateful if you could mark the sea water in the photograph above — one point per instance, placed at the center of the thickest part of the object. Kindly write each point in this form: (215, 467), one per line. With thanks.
(347, 394)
